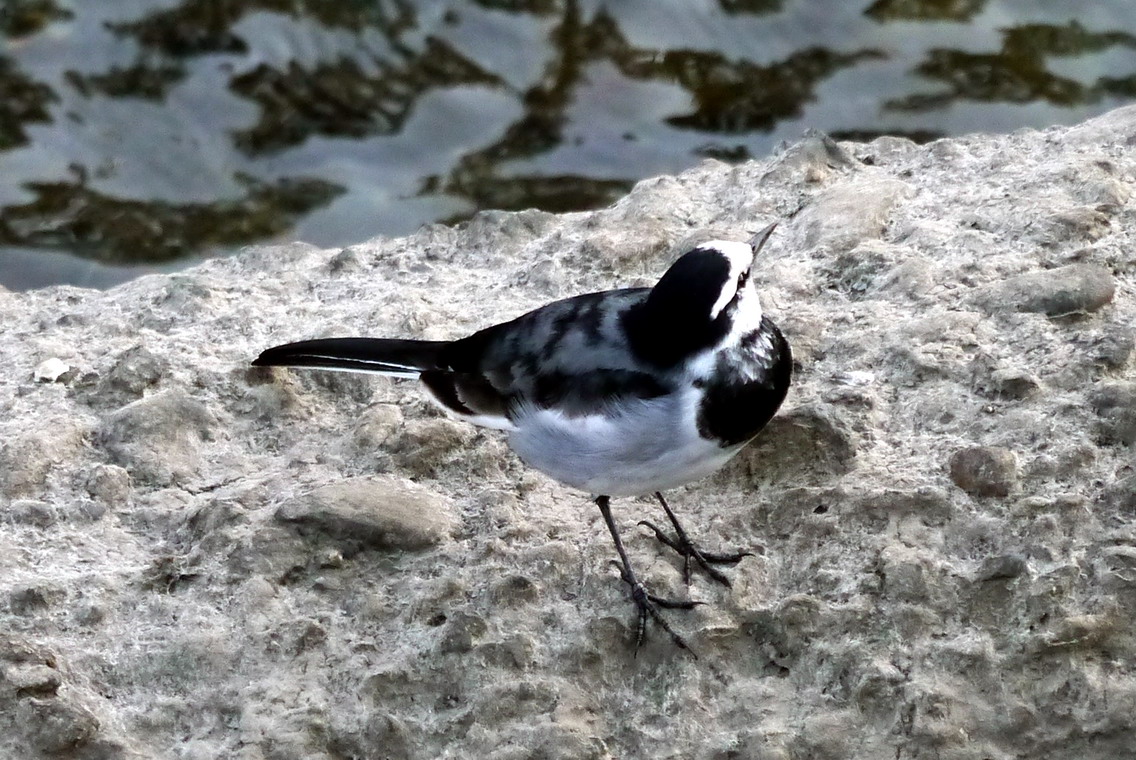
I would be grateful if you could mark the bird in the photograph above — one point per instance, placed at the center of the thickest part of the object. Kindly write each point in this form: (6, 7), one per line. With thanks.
(623, 392)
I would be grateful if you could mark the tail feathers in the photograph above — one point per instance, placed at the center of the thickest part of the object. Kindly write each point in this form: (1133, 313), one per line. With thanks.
(400, 358)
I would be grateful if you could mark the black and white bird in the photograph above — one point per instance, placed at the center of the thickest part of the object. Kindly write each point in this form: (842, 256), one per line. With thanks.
(619, 393)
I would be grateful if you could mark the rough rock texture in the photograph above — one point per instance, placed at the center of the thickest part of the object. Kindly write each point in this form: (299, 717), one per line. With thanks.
(372, 512)
(985, 470)
(201, 560)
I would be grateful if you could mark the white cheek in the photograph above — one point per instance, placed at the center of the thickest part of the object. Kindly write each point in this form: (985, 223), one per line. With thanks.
(725, 298)
(748, 316)
(740, 256)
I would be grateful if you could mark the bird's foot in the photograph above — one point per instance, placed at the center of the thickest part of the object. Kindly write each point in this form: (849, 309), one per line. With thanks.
(648, 606)
(706, 560)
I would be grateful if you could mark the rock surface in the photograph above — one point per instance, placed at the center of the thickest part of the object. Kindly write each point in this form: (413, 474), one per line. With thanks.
(380, 513)
(201, 560)
(985, 470)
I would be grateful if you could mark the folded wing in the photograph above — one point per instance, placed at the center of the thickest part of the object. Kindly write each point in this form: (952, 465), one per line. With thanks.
(570, 355)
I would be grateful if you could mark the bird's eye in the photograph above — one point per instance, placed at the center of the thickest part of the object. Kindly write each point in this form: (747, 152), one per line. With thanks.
(743, 278)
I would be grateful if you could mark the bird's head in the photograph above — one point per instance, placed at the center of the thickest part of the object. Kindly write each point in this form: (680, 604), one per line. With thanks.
(705, 297)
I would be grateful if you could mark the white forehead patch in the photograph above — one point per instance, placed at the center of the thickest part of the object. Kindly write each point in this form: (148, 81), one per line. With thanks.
(740, 256)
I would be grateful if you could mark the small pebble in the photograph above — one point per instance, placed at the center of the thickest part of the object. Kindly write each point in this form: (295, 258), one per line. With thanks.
(515, 590)
(51, 370)
(377, 425)
(1115, 403)
(109, 483)
(1002, 383)
(158, 439)
(1073, 289)
(462, 631)
(377, 512)
(134, 371)
(1114, 347)
(31, 512)
(985, 470)
(1005, 566)
(34, 680)
(425, 444)
(1122, 496)
(55, 726)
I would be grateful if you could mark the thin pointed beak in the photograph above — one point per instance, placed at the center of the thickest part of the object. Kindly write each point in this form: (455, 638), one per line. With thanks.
(757, 242)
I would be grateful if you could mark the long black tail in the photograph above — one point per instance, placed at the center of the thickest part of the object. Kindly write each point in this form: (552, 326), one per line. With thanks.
(401, 358)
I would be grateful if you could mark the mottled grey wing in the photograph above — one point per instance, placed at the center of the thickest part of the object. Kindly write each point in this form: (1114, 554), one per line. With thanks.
(571, 355)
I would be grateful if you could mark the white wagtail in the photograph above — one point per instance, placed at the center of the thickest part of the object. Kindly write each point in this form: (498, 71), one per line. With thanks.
(619, 393)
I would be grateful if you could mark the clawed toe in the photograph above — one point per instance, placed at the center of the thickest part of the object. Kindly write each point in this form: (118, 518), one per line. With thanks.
(648, 606)
(638, 588)
(661, 536)
(726, 559)
(705, 560)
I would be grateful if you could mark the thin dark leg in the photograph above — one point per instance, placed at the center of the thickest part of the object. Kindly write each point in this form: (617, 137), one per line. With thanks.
(683, 545)
(646, 603)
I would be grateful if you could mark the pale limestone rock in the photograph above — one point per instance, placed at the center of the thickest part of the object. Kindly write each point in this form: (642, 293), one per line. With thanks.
(425, 595)
(51, 370)
(850, 212)
(384, 513)
(158, 439)
(1074, 289)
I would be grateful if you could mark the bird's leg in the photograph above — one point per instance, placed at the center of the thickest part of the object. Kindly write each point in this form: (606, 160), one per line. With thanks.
(648, 604)
(683, 545)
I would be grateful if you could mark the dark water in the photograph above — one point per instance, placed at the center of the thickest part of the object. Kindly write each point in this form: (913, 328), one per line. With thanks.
(139, 135)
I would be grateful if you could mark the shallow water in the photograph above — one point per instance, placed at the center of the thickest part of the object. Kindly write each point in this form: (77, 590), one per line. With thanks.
(141, 135)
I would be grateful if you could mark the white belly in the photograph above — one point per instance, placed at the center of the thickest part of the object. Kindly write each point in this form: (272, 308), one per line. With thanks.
(650, 446)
